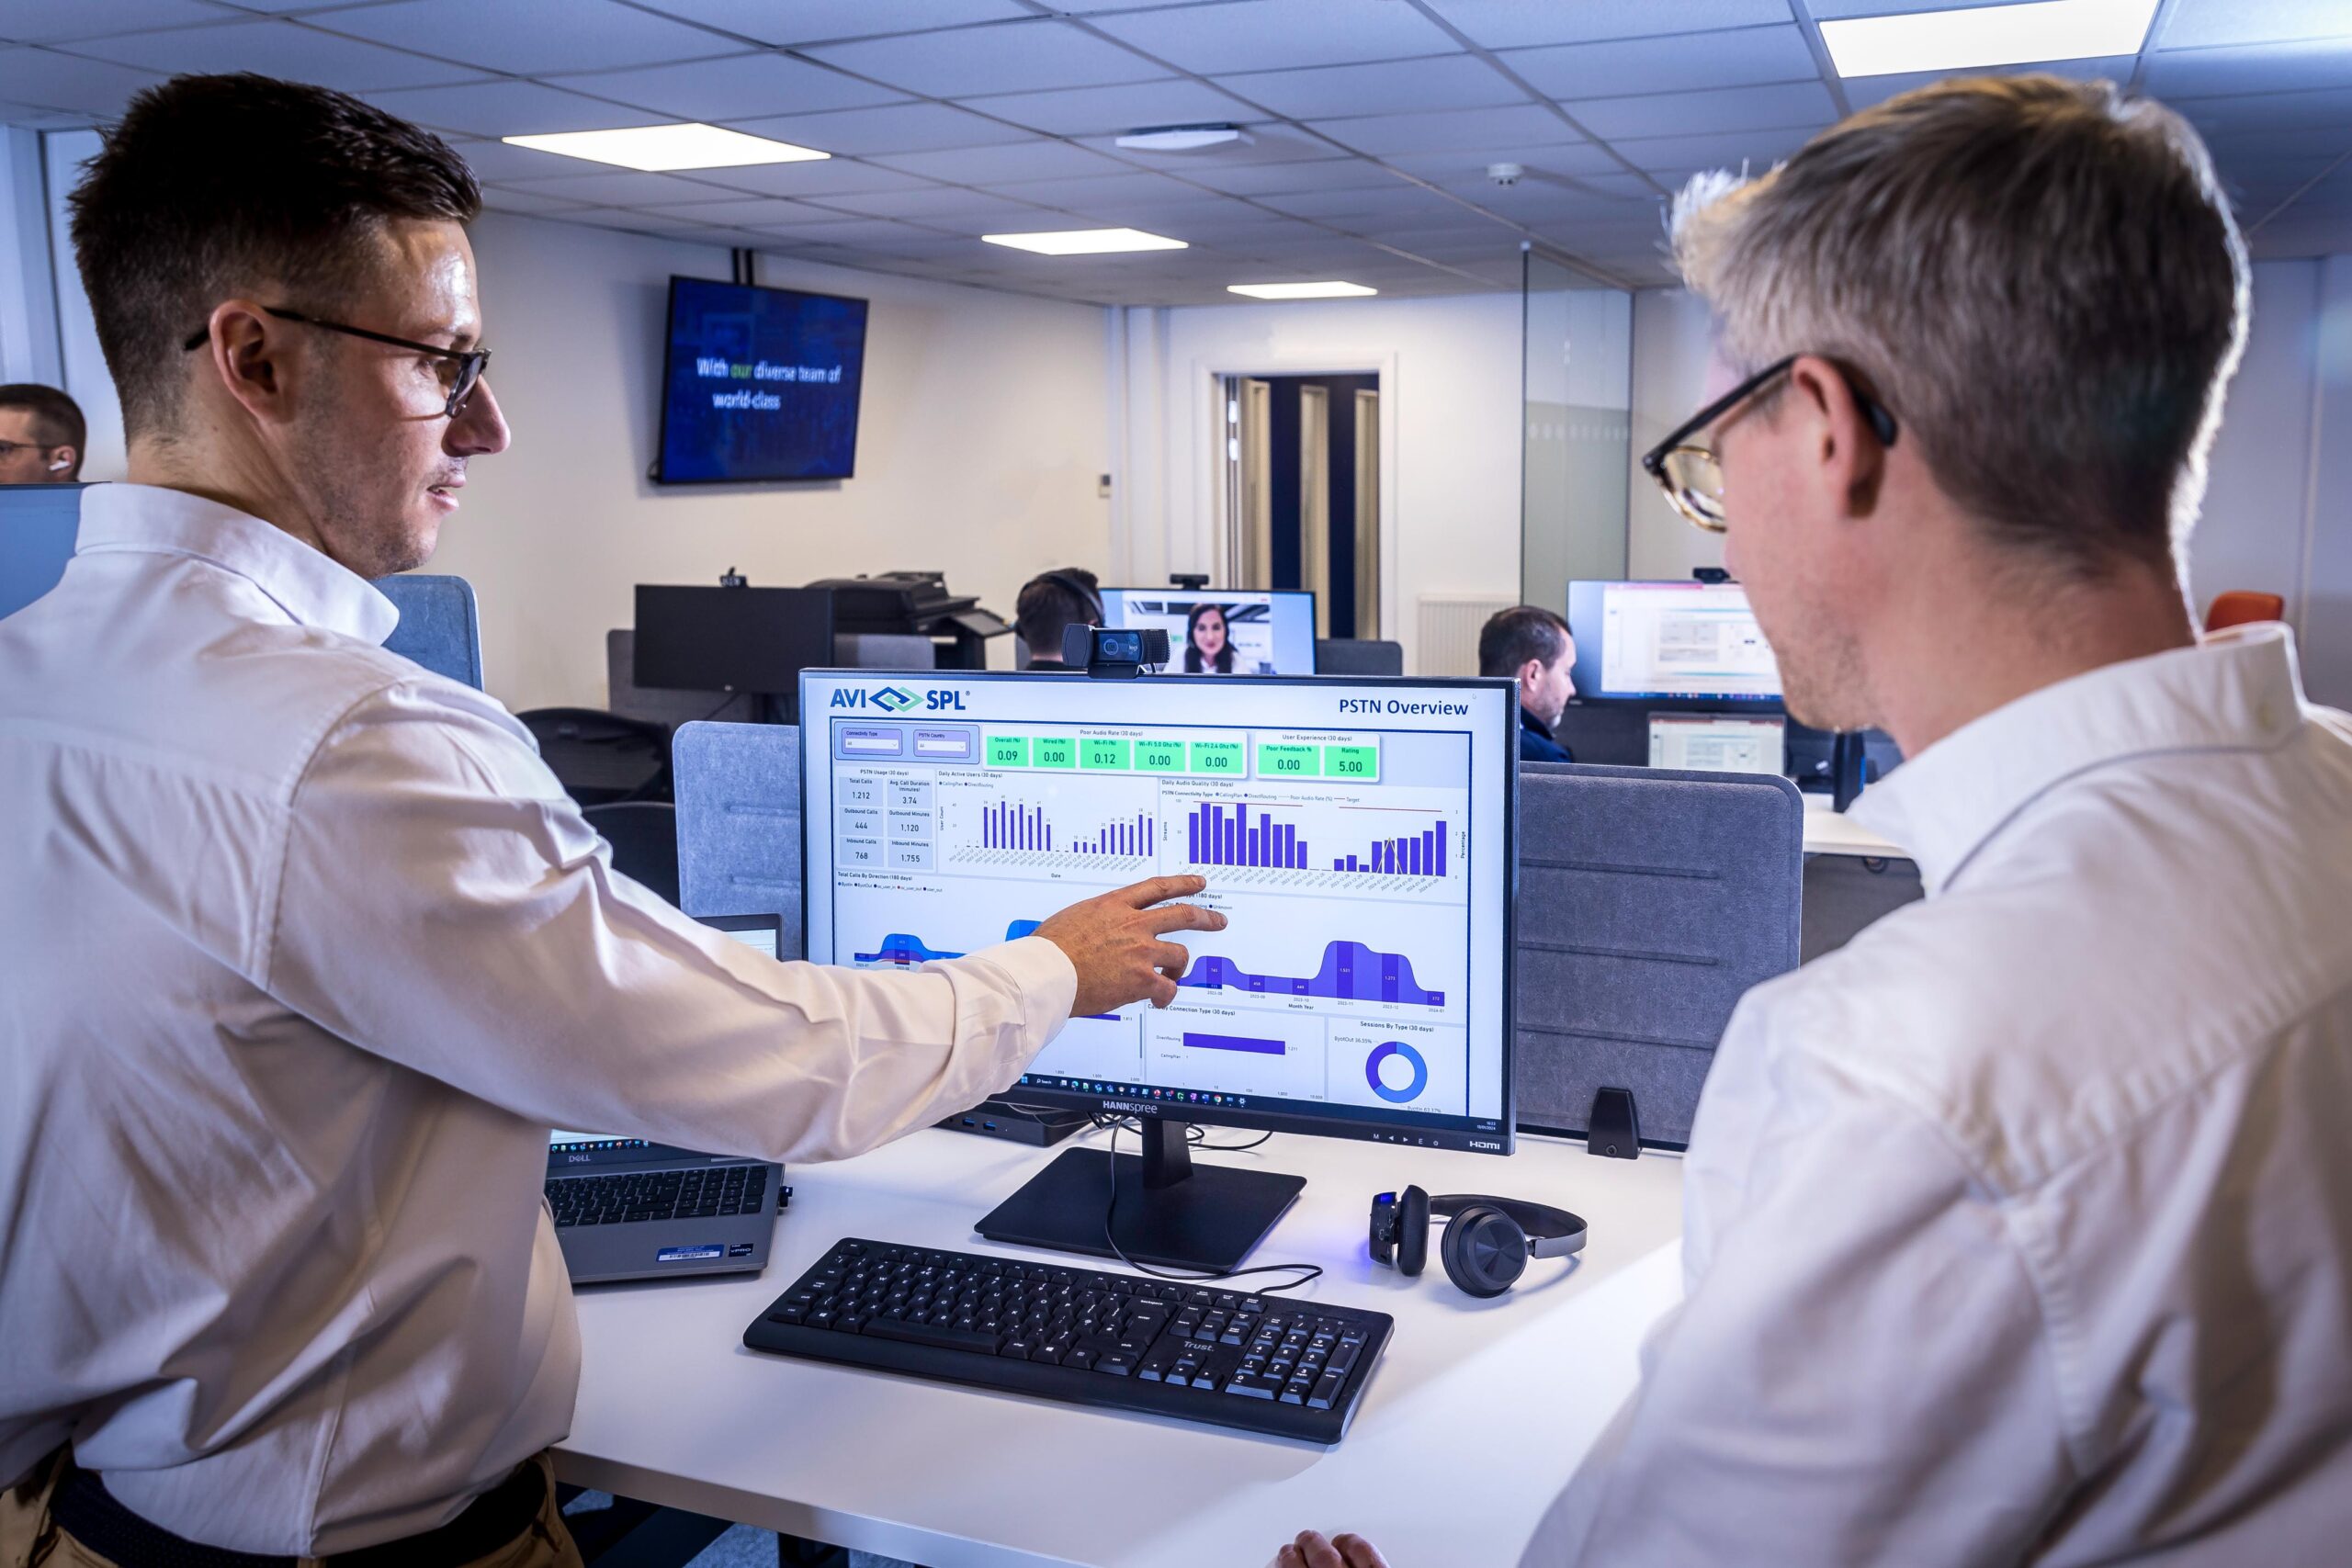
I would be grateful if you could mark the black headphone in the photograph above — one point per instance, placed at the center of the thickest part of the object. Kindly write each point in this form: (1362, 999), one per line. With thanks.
(1487, 1240)
(1086, 596)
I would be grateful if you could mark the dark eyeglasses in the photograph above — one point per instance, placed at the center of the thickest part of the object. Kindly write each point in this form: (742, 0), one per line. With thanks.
(1693, 476)
(468, 363)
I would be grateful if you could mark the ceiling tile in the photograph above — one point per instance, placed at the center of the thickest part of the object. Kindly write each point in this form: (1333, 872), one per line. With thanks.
(1398, 204)
(1038, 54)
(621, 188)
(1468, 165)
(1867, 91)
(1274, 35)
(503, 109)
(830, 176)
(894, 128)
(1090, 190)
(741, 86)
(53, 80)
(1332, 172)
(280, 48)
(1759, 149)
(44, 21)
(495, 161)
(1738, 58)
(757, 212)
(935, 203)
(2198, 23)
(1110, 110)
(809, 22)
(1773, 107)
(1014, 161)
(1393, 133)
(2278, 113)
(499, 199)
(1272, 142)
(1447, 81)
(2253, 68)
(1517, 24)
(1833, 10)
(529, 38)
(880, 231)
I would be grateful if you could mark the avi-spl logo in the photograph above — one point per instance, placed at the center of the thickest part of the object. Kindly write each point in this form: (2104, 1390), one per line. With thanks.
(897, 699)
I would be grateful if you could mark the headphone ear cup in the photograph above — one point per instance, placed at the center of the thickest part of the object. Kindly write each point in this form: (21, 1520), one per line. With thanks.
(1412, 1231)
(1485, 1251)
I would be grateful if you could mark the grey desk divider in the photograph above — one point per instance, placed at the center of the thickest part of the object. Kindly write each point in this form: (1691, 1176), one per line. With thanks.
(739, 823)
(1649, 902)
(439, 628)
(1357, 656)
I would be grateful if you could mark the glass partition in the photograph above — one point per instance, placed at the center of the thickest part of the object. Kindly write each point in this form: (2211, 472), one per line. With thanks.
(1577, 383)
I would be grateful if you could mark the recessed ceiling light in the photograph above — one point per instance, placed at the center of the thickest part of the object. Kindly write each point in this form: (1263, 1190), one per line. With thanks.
(1085, 242)
(1184, 138)
(1333, 290)
(657, 147)
(1987, 35)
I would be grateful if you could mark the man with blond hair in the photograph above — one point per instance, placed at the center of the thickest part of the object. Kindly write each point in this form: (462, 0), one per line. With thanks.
(2020, 1230)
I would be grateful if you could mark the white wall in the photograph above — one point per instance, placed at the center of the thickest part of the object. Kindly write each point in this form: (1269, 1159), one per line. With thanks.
(1671, 335)
(1450, 408)
(82, 368)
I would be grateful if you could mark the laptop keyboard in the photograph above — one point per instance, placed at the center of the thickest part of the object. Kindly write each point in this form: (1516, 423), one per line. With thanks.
(703, 1193)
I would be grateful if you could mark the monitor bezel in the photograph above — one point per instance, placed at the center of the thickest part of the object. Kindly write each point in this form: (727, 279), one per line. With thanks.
(1593, 696)
(1314, 659)
(658, 470)
(1500, 1140)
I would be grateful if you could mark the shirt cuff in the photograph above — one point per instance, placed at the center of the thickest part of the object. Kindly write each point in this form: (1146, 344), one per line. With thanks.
(1047, 982)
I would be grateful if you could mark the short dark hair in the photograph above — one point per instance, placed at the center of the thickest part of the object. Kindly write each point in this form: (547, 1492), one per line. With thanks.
(57, 418)
(211, 185)
(1048, 605)
(1510, 637)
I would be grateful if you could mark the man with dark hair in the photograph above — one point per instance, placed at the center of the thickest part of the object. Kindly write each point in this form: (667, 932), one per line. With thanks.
(1532, 646)
(306, 949)
(1050, 603)
(42, 436)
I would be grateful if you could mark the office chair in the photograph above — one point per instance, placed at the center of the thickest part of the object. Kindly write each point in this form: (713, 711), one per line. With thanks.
(644, 836)
(439, 628)
(2240, 606)
(601, 757)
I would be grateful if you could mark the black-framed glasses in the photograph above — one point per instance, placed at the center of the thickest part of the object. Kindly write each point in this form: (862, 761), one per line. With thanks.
(1693, 476)
(468, 363)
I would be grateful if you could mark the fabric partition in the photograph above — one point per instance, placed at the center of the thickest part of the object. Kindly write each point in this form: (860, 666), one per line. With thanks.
(738, 788)
(439, 628)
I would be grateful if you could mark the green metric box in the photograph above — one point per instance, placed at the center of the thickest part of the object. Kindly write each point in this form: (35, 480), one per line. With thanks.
(1224, 758)
(1008, 750)
(1103, 751)
(1053, 751)
(1361, 763)
(1281, 760)
(1159, 756)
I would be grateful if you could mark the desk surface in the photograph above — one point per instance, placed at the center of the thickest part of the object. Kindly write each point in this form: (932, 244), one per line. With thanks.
(1477, 1415)
(1828, 832)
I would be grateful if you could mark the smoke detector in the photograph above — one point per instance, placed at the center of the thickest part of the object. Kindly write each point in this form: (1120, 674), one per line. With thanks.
(1185, 138)
(1504, 174)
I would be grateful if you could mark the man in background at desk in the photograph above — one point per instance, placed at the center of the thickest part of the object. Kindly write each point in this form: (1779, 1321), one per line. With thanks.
(306, 949)
(1530, 645)
(2016, 1231)
(42, 436)
(1050, 603)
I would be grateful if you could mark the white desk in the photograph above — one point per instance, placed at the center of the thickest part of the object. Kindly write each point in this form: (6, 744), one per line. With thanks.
(1828, 832)
(1478, 1412)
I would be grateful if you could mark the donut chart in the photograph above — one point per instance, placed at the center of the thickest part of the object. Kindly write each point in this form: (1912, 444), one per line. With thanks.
(1412, 1058)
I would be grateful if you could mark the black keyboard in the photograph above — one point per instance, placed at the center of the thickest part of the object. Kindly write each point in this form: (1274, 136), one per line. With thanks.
(702, 1193)
(1262, 1363)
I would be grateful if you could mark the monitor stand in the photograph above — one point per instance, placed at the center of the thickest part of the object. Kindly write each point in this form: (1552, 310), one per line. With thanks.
(1171, 1212)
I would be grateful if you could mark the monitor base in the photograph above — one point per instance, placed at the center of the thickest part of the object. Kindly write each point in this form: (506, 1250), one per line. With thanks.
(1202, 1217)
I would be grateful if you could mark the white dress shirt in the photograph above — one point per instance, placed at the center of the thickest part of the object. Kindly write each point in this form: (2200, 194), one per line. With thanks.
(305, 952)
(2020, 1230)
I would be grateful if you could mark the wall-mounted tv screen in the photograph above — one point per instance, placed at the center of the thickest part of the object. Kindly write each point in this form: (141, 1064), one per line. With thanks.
(760, 384)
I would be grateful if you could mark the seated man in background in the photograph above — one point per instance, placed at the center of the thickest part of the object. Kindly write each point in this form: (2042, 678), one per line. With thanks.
(1532, 646)
(2016, 1230)
(42, 436)
(306, 949)
(1050, 603)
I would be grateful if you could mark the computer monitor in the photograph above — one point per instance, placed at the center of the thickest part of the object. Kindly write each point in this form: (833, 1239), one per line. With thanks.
(1268, 631)
(733, 639)
(1357, 835)
(1694, 642)
(1717, 743)
(37, 524)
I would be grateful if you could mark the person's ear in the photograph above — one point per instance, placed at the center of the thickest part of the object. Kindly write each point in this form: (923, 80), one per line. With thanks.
(249, 352)
(1852, 465)
(1529, 672)
(63, 462)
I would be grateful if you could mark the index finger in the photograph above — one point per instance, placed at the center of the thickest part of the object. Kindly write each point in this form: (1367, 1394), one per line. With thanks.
(1152, 890)
(1182, 918)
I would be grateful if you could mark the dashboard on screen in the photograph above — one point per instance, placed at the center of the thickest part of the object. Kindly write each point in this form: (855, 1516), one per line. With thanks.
(1696, 641)
(1357, 837)
(760, 384)
(1230, 631)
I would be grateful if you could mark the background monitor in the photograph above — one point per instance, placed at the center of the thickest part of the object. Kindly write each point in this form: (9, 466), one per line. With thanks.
(1675, 641)
(1717, 743)
(759, 384)
(732, 639)
(38, 525)
(1271, 630)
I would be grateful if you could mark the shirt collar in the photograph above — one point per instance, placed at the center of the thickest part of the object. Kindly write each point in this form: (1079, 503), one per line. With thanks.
(312, 589)
(1528, 721)
(2238, 689)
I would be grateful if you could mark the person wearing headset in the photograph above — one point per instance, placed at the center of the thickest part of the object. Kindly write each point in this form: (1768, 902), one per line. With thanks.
(1206, 649)
(1050, 603)
(42, 436)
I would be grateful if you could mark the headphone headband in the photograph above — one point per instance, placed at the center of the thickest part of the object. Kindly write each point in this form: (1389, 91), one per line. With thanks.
(1551, 1233)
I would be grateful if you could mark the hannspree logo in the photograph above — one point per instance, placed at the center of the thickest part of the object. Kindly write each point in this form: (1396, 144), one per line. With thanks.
(896, 699)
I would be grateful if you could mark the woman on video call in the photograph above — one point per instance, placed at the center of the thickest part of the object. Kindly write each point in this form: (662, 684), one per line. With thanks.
(1205, 648)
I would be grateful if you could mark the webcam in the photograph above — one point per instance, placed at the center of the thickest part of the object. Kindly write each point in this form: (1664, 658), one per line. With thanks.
(1113, 655)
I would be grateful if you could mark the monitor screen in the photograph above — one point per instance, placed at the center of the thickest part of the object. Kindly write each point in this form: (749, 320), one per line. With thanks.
(1717, 743)
(1355, 833)
(1224, 631)
(760, 384)
(731, 639)
(1649, 640)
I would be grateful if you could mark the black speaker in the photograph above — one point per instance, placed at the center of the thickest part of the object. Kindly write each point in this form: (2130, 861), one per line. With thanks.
(1612, 1130)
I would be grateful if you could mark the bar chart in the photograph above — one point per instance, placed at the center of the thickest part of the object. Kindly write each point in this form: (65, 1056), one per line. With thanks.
(1015, 825)
(1357, 841)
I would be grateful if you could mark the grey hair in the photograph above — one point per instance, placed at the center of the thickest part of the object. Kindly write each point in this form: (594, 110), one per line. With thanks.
(2038, 277)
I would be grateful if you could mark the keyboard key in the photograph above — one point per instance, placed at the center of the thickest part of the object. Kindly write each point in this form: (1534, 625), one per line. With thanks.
(1325, 1391)
(1250, 1386)
(945, 1338)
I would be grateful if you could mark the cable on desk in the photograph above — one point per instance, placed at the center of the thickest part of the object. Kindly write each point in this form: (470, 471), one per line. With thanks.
(1306, 1272)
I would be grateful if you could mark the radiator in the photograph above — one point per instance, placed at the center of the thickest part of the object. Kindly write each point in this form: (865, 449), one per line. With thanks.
(1448, 631)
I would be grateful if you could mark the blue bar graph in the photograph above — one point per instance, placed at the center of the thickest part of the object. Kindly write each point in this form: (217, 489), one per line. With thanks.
(1413, 854)
(1009, 824)
(1226, 835)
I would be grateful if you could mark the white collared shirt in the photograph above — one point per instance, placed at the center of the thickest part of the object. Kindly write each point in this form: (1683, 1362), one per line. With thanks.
(305, 951)
(2020, 1230)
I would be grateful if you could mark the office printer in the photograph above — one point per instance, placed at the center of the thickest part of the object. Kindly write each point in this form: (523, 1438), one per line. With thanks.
(916, 604)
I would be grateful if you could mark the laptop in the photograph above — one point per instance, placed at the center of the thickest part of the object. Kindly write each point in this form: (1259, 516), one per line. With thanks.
(626, 1209)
